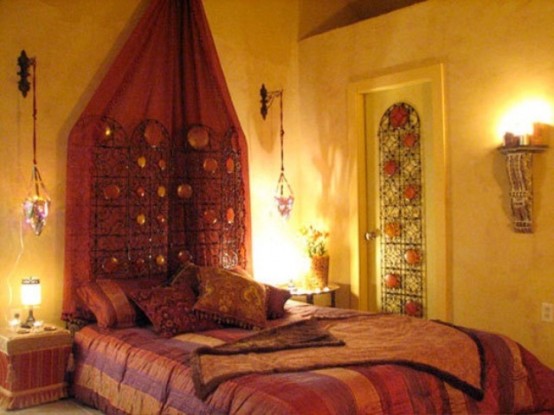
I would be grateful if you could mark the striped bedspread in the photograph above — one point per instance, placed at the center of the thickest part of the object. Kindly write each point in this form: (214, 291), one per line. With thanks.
(133, 371)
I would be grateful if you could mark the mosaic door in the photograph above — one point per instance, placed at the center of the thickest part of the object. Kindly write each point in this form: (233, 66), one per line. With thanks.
(401, 212)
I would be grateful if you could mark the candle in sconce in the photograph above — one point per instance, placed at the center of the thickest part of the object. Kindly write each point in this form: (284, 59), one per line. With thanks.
(511, 140)
(527, 123)
(538, 137)
(541, 133)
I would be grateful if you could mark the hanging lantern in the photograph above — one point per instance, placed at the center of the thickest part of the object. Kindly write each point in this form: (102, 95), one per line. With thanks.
(284, 197)
(36, 205)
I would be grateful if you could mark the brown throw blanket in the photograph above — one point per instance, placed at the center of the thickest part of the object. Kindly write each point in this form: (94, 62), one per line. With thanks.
(436, 348)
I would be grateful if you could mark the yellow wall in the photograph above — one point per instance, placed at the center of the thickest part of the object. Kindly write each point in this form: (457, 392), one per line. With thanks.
(494, 54)
(72, 42)
(257, 43)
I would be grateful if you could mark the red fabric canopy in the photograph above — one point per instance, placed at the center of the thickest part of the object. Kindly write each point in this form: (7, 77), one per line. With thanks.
(157, 169)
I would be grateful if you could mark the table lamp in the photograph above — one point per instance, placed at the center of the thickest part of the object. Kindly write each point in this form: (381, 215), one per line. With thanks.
(30, 296)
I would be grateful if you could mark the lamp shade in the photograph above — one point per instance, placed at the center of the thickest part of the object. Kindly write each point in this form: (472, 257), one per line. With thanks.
(30, 291)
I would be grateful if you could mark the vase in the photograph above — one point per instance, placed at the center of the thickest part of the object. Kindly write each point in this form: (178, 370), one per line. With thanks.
(320, 270)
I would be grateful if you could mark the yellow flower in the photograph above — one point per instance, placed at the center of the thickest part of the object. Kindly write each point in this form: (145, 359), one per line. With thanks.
(315, 240)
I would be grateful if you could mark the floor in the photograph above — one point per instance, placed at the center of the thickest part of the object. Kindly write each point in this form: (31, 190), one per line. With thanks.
(62, 407)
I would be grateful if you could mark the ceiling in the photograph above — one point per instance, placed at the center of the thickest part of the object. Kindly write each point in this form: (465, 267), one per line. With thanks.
(318, 16)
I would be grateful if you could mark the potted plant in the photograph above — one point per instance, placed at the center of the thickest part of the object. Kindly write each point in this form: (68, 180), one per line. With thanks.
(315, 244)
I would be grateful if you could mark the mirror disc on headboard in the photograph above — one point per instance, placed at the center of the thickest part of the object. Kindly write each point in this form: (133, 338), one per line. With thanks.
(198, 137)
(112, 191)
(111, 264)
(184, 191)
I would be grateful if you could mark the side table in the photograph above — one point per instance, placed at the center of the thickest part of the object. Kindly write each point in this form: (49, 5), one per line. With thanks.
(331, 290)
(33, 367)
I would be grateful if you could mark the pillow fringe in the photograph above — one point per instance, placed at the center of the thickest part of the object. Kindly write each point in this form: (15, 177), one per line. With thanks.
(218, 318)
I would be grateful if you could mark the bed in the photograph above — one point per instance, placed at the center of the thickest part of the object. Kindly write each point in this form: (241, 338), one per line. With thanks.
(308, 360)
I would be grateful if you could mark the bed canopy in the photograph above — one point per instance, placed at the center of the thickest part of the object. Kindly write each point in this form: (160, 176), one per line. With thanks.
(157, 169)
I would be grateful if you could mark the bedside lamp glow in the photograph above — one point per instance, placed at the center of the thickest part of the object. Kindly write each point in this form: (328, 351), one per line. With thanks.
(30, 296)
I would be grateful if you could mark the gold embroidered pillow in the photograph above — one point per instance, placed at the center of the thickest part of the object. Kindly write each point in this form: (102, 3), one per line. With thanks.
(276, 297)
(228, 298)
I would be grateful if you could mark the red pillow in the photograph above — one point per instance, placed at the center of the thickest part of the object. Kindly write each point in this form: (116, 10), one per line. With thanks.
(276, 299)
(170, 310)
(109, 304)
(187, 275)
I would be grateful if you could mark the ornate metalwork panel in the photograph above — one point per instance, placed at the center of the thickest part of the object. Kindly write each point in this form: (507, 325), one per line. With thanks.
(208, 183)
(159, 201)
(401, 212)
(130, 184)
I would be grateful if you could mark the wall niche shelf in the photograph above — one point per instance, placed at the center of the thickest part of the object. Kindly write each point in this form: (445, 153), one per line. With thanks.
(519, 166)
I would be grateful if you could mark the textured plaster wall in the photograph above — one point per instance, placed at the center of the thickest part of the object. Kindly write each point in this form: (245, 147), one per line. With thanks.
(257, 43)
(73, 43)
(495, 54)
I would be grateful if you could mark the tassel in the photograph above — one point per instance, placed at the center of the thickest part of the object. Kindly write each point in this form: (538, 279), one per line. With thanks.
(70, 363)
(10, 376)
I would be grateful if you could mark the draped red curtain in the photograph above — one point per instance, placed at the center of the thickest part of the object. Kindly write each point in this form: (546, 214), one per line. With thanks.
(157, 169)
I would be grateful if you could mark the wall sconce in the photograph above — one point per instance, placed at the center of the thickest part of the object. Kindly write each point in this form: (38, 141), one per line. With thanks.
(518, 151)
(284, 197)
(37, 203)
(30, 297)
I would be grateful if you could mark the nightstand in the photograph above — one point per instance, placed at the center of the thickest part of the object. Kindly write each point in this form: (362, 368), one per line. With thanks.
(33, 367)
(330, 290)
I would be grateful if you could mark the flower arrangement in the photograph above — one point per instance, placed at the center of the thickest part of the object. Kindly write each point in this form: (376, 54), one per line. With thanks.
(315, 241)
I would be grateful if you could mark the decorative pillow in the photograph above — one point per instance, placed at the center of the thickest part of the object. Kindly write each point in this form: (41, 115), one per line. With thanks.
(107, 300)
(188, 276)
(240, 271)
(276, 299)
(229, 298)
(170, 310)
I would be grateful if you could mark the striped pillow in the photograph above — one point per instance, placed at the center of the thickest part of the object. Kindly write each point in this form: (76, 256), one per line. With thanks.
(109, 304)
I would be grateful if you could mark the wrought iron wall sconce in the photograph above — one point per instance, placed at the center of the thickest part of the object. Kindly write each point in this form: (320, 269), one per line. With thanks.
(284, 198)
(36, 205)
(518, 151)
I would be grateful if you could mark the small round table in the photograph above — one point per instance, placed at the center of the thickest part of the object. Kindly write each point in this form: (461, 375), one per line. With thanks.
(331, 289)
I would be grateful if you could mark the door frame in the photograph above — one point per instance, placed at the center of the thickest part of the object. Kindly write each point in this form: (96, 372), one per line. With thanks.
(439, 304)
